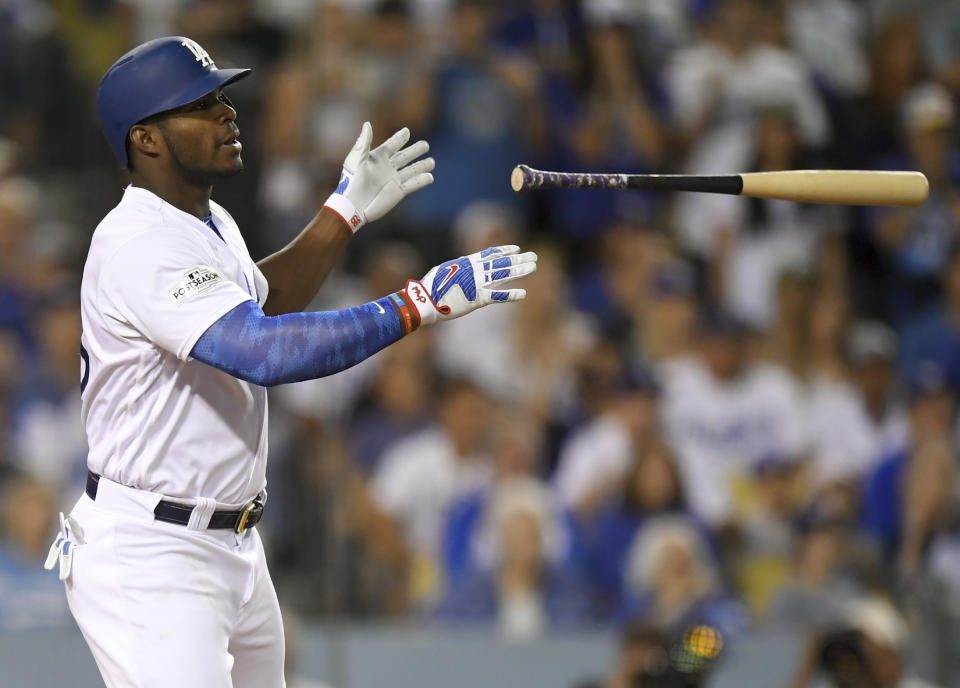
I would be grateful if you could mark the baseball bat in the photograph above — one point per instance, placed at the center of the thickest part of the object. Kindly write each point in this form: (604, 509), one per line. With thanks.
(850, 187)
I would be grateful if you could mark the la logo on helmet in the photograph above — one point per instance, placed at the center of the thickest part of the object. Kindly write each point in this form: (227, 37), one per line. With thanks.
(202, 56)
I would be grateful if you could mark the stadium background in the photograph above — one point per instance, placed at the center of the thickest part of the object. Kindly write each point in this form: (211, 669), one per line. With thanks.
(710, 412)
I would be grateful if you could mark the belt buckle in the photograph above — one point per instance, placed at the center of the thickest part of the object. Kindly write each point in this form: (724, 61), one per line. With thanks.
(254, 509)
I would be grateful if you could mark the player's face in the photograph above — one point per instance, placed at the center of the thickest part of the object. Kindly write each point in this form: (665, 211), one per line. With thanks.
(202, 138)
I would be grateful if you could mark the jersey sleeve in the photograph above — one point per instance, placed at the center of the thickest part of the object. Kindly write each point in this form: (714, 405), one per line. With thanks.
(169, 287)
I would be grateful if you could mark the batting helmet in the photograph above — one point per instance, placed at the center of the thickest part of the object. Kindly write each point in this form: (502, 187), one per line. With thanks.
(154, 77)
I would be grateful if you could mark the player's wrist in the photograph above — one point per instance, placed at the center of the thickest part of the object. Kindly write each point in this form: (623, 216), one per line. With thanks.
(407, 312)
(351, 215)
(418, 297)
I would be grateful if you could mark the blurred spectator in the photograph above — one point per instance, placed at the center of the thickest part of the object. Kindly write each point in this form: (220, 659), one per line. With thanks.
(595, 457)
(48, 437)
(888, 509)
(395, 68)
(524, 593)
(421, 476)
(549, 339)
(17, 201)
(355, 560)
(930, 566)
(613, 123)
(716, 84)
(939, 24)
(762, 558)
(813, 595)
(399, 403)
(828, 328)
(516, 455)
(314, 105)
(855, 422)
(869, 124)
(866, 650)
(788, 342)
(644, 659)
(917, 242)
(750, 242)
(546, 32)
(614, 287)
(673, 584)
(927, 501)
(670, 324)
(29, 596)
(722, 411)
(650, 487)
(829, 36)
(11, 364)
(476, 114)
(231, 28)
(648, 659)
(934, 335)
(533, 363)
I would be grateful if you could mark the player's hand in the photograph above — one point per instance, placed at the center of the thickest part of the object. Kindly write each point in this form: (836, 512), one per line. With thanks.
(458, 286)
(373, 181)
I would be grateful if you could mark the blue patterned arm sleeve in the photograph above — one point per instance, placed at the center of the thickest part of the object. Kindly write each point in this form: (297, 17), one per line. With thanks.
(276, 350)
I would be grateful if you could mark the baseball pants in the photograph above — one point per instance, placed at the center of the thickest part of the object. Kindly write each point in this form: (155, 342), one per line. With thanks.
(162, 605)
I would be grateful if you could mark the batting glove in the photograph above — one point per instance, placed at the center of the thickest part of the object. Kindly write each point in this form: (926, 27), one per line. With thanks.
(465, 284)
(373, 181)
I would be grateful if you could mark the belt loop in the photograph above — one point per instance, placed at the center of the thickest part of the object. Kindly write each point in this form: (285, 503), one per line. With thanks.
(200, 516)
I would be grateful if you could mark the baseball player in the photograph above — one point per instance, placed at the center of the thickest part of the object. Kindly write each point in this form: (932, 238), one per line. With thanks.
(182, 332)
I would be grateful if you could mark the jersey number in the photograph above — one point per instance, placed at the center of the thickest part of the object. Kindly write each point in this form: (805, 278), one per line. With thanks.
(84, 369)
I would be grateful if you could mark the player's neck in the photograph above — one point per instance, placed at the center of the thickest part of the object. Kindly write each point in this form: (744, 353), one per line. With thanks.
(191, 199)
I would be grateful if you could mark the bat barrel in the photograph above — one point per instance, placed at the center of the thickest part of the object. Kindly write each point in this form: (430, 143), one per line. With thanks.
(850, 187)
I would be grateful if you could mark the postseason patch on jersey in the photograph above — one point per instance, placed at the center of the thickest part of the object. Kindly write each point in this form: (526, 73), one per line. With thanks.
(194, 282)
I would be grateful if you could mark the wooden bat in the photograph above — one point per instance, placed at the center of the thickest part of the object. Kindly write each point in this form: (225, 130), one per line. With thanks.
(851, 187)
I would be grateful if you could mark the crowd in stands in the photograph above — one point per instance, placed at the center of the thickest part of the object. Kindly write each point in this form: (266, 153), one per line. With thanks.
(710, 410)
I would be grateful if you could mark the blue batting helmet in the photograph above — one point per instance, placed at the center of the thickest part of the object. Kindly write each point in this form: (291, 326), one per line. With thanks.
(154, 77)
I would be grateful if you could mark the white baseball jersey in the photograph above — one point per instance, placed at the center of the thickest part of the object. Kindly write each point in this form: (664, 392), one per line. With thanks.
(420, 478)
(155, 279)
(719, 429)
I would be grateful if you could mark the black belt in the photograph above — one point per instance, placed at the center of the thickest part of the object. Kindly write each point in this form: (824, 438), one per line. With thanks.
(171, 512)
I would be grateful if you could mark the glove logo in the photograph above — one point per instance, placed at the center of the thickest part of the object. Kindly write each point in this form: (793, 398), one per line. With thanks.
(355, 221)
(453, 271)
(418, 294)
(344, 183)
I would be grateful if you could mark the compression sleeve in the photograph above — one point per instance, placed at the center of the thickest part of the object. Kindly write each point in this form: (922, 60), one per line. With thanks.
(273, 350)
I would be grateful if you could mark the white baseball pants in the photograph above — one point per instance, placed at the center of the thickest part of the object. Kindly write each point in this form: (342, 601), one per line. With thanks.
(163, 606)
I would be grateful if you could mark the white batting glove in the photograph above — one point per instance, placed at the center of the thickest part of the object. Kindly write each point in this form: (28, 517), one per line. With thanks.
(373, 181)
(465, 284)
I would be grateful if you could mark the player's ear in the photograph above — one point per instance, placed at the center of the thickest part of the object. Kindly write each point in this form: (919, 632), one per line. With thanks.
(146, 139)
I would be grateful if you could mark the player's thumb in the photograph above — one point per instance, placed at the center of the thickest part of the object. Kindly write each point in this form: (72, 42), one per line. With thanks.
(362, 146)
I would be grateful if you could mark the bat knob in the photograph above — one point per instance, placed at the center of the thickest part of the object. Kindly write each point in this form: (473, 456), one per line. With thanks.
(518, 177)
